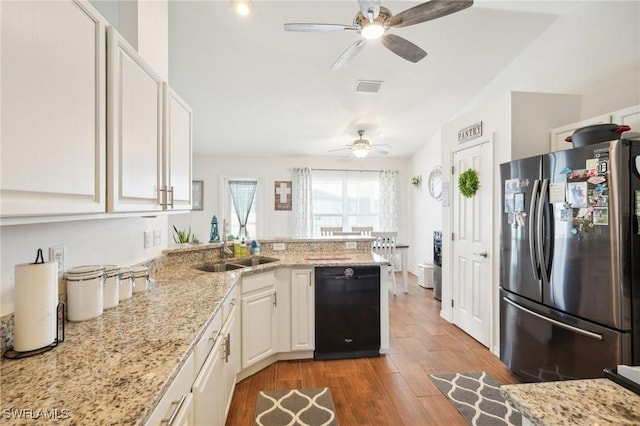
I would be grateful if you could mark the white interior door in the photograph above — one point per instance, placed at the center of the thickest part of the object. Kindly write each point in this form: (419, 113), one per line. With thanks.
(471, 254)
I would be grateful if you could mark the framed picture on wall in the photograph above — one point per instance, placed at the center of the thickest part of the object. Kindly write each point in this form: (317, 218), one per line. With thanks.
(197, 194)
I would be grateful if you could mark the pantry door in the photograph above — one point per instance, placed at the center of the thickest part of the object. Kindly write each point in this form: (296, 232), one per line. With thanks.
(472, 227)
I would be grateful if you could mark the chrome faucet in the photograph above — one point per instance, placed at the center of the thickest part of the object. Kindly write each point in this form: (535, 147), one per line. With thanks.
(226, 251)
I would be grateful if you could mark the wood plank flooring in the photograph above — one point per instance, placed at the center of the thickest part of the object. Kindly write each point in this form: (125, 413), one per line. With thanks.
(392, 389)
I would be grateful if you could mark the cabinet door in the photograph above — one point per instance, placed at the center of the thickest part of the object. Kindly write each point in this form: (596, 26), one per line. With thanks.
(558, 135)
(134, 120)
(302, 312)
(628, 116)
(178, 135)
(53, 108)
(258, 326)
(208, 409)
(231, 333)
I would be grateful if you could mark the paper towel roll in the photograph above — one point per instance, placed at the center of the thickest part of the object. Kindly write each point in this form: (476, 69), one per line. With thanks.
(36, 300)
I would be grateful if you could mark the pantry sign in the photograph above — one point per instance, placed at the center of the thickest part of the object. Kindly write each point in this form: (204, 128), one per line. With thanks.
(471, 132)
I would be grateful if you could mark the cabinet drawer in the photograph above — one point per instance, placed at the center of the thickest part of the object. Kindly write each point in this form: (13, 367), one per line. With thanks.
(206, 342)
(230, 301)
(258, 281)
(172, 401)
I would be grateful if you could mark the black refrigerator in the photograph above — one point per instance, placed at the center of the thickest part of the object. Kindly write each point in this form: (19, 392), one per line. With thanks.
(570, 262)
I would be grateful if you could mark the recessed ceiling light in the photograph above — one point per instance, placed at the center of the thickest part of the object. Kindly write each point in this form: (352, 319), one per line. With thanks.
(242, 7)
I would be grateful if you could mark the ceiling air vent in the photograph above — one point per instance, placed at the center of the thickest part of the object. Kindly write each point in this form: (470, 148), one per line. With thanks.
(368, 86)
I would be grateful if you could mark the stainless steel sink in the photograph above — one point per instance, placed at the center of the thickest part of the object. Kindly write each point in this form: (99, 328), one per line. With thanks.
(254, 261)
(218, 267)
(232, 264)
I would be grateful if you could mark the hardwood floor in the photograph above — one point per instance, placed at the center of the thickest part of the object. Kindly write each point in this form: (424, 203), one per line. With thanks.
(393, 389)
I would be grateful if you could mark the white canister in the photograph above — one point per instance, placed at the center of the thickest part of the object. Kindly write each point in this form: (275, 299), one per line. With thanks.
(140, 277)
(126, 285)
(85, 292)
(111, 286)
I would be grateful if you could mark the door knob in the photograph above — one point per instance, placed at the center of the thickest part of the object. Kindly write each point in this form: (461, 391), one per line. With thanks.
(483, 254)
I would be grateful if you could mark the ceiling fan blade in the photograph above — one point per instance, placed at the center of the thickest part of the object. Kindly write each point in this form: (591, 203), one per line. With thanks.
(403, 48)
(346, 148)
(348, 55)
(372, 6)
(427, 11)
(379, 151)
(318, 28)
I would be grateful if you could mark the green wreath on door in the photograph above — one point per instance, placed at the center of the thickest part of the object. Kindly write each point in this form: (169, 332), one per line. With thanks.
(468, 183)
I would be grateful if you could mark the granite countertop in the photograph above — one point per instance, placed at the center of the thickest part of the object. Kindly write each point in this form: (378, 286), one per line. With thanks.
(114, 369)
(575, 402)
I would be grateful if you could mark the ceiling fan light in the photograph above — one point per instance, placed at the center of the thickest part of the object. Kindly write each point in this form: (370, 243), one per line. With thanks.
(242, 7)
(372, 30)
(361, 150)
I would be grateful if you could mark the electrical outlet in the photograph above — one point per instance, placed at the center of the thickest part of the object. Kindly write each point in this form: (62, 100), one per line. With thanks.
(278, 246)
(147, 239)
(156, 237)
(352, 245)
(56, 254)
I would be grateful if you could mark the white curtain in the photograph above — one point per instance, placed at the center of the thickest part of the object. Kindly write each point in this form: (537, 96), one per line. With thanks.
(242, 194)
(388, 200)
(302, 205)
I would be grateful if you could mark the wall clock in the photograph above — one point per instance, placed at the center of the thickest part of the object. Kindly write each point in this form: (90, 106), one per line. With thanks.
(435, 183)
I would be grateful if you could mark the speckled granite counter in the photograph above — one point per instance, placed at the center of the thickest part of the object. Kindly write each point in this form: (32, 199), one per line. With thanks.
(114, 369)
(575, 402)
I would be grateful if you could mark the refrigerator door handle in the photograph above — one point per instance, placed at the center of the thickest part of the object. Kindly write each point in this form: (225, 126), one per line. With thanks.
(532, 238)
(554, 322)
(540, 231)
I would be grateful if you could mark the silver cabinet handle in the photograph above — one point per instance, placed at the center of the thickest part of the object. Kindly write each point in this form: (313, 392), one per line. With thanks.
(483, 254)
(169, 191)
(178, 404)
(227, 347)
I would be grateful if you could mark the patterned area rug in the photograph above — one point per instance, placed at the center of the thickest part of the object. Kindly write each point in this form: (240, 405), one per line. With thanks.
(477, 396)
(295, 407)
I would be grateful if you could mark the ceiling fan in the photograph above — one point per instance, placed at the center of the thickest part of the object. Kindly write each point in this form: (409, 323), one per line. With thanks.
(373, 21)
(361, 147)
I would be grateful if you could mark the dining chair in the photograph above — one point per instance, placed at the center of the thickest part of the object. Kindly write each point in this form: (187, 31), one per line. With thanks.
(384, 245)
(363, 230)
(329, 230)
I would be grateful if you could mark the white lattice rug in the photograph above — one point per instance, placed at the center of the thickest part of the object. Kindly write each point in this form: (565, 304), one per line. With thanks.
(295, 407)
(477, 396)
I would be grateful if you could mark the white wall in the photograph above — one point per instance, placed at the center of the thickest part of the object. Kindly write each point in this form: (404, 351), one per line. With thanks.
(116, 241)
(425, 213)
(267, 170)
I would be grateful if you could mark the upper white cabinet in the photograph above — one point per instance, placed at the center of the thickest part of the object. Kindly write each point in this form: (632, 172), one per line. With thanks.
(629, 117)
(559, 134)
(53, 109)
(178, 136)
(135, 112)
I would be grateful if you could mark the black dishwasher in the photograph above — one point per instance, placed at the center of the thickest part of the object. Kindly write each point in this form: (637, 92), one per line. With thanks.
(347, 310)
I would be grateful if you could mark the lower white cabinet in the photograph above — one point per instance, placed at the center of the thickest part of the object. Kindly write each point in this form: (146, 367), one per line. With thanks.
(302, 310)
(175, 407)
(231, 335)
(208, 389)
(259, 318)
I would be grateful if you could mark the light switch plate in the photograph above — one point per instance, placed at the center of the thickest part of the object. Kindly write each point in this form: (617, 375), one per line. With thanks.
(352, 245)
(147, 239)
(156, 237)
(278, 246)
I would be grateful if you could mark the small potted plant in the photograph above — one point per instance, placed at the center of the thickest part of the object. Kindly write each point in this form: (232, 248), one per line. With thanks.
(183, 237)
(417, 181)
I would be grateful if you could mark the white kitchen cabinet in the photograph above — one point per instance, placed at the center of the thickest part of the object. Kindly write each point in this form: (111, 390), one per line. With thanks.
(302, 310)
(559, 134)
(231, 335)
(259, 318)
(178, 137)
(629, 117)
(177, 402)
(134, 120)
(52, 109)
(208, 409)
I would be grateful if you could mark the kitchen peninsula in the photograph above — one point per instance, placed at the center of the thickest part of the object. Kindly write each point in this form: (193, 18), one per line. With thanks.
(117, 368)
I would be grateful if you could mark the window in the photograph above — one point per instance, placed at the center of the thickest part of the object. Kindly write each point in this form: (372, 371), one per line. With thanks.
(345, 198)
(248, 193)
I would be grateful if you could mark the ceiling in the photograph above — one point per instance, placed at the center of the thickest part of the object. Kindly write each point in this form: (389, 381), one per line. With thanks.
(259, 91)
